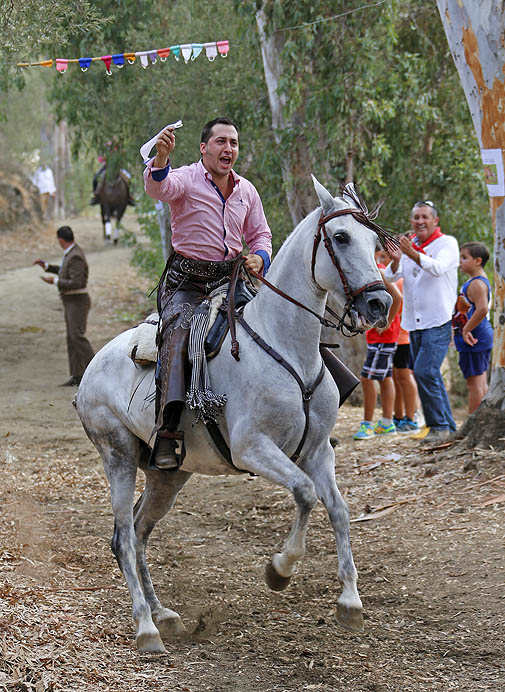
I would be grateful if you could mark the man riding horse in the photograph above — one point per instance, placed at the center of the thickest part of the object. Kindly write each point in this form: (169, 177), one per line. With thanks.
(212, 210)
(111, 171)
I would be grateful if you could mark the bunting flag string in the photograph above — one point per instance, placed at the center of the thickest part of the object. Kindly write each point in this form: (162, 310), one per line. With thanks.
(186, 51)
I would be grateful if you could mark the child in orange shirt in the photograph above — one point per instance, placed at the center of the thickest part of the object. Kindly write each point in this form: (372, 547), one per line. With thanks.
(378, 365)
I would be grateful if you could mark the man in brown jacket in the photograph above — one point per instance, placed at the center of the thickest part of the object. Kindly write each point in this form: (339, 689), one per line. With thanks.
(71, 280)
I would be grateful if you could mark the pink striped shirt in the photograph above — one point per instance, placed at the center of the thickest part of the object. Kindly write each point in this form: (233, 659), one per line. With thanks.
(204, 225)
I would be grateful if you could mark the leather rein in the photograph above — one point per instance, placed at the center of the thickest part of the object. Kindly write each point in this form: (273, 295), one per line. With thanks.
(350, 295)
(307, 392)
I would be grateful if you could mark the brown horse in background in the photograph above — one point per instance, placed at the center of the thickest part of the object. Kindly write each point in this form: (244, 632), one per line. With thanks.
(113, 199)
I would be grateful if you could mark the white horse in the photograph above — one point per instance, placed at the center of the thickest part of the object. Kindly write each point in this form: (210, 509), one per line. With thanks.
(264, 417)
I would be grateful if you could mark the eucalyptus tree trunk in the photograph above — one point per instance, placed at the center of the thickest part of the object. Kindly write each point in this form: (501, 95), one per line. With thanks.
(295, 162)
(475, 33)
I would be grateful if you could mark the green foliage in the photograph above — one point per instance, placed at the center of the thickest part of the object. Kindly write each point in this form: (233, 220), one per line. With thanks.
(29, 26)
(147, 256)
(379, 83)
(133, 104)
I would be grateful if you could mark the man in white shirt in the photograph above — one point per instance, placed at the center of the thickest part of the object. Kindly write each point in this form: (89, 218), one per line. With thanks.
(428, 262)
(43, 178)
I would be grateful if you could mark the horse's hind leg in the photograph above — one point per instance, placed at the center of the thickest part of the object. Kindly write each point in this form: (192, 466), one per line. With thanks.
(157, 499)
(322, 471)
(106, 221)
(120, 452)
(119, 215)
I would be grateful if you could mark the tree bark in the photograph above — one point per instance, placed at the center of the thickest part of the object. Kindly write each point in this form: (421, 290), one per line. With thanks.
(475, 32)
(295, 164)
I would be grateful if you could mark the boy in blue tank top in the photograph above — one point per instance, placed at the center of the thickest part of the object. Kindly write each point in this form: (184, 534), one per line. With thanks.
(473, 333)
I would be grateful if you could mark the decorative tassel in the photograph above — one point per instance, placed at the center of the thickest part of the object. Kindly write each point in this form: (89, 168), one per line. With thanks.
(200, 398)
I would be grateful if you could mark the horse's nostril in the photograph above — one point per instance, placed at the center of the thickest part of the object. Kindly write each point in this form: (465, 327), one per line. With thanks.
(375, 306)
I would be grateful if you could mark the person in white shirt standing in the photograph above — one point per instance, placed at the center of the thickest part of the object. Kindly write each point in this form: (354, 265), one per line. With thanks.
(428, 262)
(43, 178)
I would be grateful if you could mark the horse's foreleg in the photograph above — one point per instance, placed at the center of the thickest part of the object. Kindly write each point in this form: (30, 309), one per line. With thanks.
(121, 475)
(270, 462)
(322, 472)
(157, 499)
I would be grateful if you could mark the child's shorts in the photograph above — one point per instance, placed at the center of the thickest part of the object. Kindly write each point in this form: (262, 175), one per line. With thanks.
(474, 363)
(403, 357)
(379, 361)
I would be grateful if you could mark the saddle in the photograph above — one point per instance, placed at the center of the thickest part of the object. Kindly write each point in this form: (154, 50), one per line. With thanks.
(142, 347)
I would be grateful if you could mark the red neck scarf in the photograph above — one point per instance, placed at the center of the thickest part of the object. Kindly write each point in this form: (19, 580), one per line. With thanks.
(437, 233)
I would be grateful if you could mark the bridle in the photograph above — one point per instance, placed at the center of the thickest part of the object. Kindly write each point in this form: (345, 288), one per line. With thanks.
(322, 234)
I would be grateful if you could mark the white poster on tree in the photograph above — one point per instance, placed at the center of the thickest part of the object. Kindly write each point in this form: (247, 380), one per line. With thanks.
(492, 161)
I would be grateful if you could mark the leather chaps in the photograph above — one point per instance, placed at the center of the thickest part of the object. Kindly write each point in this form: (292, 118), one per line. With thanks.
(184, 284)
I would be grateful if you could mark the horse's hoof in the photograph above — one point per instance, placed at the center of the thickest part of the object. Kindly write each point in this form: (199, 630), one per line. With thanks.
(150, 642)
(170, 626)
(351, 618)
(274, 580)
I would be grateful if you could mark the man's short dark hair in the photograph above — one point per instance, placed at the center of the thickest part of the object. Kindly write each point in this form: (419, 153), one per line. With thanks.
(65, 233)
(475, 250)
(207, 129)
(427, 203)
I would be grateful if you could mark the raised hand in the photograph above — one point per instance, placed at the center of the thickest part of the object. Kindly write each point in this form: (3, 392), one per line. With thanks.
(164, 146)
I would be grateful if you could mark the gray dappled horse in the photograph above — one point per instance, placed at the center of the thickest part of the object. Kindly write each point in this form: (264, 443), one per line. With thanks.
(263, 419)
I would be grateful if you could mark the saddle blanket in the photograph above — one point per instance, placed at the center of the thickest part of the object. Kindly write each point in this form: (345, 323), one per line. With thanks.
(142, 347)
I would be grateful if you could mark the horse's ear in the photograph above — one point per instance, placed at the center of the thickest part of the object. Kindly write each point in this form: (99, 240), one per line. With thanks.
(327, 201)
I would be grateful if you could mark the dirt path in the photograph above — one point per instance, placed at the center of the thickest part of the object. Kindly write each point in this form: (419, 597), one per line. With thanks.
(432, 564)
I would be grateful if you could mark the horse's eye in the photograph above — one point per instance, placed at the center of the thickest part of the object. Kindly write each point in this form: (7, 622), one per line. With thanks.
(341, 238)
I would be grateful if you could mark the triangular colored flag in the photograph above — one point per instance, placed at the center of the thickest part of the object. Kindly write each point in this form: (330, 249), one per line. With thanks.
(175, 50)
(61, 65)
(210, 50)
(118, 59)
(197, 49)
(186, 50)
(84, 63)
(163, 53)
(142, 54)
(107, 59)
(223, 48)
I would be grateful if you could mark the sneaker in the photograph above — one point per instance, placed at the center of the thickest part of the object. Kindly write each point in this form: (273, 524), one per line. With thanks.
(397, 421)
(407, 425)
(380, 429)
(436, 436)
(365, 432)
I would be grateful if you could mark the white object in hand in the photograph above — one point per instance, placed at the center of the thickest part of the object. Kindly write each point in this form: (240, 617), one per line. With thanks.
(145, 149)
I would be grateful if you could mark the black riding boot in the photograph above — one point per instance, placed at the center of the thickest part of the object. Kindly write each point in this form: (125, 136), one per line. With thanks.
(164, 455)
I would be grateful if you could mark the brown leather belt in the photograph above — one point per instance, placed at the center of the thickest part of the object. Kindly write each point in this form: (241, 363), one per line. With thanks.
(202, 268)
